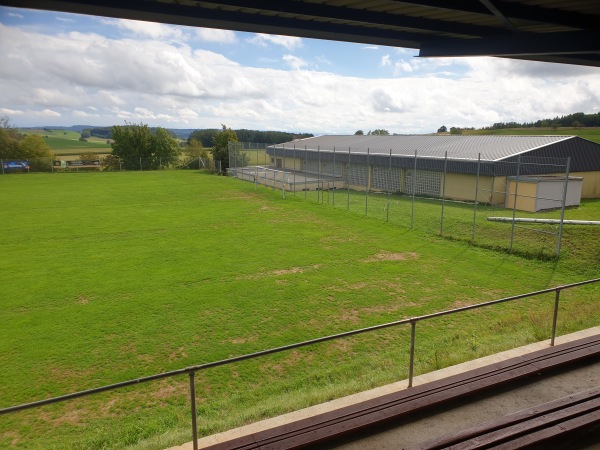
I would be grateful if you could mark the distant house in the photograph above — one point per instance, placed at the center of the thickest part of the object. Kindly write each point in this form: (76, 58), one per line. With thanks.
(475, 165)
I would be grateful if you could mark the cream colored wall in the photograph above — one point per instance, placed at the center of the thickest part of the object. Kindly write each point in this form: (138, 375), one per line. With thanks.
(462, 187)
(288, 163)
(526, 195)
(591, 183)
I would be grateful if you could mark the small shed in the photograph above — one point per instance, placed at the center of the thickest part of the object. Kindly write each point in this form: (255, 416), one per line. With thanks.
(542, 192)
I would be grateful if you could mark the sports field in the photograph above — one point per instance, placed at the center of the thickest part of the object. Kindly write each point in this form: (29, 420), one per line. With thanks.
(111, 276)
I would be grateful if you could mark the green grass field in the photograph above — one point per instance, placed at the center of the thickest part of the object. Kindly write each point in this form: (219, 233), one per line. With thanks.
(64, 143)
(108, 277)
(591, 133)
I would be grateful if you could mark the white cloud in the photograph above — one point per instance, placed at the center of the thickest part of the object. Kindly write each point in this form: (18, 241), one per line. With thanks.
(213, 35)
(58, 79)
(11, 112)
(151, 30)
(289, 42)
(294, 62)
(370, 47)
(15, 15)
(47, 113)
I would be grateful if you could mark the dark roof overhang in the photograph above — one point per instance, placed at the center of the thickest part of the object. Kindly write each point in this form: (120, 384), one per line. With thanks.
(564, 31)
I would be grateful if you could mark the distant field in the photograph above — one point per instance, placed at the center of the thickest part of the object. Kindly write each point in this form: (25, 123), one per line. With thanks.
(108, 277)
(67, 142)
(592, 134)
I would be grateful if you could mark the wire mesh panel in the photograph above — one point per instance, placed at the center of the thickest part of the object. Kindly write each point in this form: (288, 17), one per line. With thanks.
(423, 182)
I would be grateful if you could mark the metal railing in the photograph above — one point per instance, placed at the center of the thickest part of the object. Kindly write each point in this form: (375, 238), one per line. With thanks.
(190, 371)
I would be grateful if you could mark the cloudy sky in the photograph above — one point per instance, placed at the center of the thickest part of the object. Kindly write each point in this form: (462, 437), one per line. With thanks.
(67, 69)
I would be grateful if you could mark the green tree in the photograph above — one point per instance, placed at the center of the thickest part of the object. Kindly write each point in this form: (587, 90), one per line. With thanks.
(379, 132)
(195, 149)
(135, 143)
(359, 133)
(455, 130)
(442, 129)
(221, 142)
(31, 147)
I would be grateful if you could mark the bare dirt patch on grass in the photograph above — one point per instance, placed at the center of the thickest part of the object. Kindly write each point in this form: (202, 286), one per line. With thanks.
(389, 256)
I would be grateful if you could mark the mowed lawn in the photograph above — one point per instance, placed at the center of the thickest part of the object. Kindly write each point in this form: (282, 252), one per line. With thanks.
(107, 277)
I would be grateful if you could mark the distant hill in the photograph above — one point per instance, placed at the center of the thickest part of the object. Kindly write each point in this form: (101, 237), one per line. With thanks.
(204, 135)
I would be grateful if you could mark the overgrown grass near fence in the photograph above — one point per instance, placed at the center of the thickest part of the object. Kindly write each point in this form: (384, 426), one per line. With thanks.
(467, 222)
(107, 277)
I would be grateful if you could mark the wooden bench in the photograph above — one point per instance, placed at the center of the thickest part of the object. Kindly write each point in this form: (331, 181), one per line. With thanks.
(396, 406)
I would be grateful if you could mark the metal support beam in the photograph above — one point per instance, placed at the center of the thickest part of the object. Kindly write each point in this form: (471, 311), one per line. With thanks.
(573, 42)
(489, 5)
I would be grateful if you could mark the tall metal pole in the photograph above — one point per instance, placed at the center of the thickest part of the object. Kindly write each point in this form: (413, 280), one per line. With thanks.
(305, 170)
(333, 190)
(319, 183)
(387, 214)
(348, 180)
(367, 185)
(476, 193)
(512, 232)
(411, 366)
(444, 193)
(555, 317)
(193, 407)
(412, 217)
(564, 203)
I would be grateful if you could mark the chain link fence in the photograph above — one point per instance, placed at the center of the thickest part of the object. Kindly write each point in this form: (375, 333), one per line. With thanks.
(486, 203)
(106, 163)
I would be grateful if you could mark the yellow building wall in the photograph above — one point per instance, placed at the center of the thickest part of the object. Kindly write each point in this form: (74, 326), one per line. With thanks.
(591, 183)
(526, 195)
(291, 163)
(462, 187)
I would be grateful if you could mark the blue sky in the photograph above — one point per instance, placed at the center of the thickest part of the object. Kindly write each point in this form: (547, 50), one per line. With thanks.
(66, 69)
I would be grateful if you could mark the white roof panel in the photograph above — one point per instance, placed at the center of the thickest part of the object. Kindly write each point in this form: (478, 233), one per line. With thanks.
(469, 147)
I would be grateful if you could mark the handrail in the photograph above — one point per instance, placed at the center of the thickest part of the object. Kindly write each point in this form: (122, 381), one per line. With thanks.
(191, 370)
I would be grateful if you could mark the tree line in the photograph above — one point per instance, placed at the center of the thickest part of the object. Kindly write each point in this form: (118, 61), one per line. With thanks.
(206, 136)
(575, 120)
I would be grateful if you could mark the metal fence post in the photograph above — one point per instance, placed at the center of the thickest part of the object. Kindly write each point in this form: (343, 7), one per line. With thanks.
(305, 171)
(367, 186)
(512, 232)
(414, 189)
(294, 159)
(319, 182)
(193, 408)
(348, 180)
(411, 366)
(389, 180)
(562, 212)
(476, 194)
(555, 317)
(141, 163)
(333, 187)
(444, 193)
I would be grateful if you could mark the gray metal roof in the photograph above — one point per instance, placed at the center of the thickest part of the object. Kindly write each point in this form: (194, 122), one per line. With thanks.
(491, 148)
